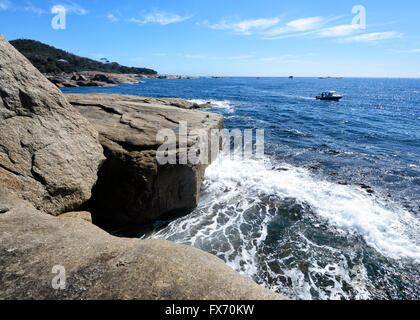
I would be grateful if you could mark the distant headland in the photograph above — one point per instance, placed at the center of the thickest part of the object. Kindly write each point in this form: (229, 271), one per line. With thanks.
(65, 69)
(50, 60)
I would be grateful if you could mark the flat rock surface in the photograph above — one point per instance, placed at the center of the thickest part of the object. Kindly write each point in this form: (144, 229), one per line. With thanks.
(49, 153)
(97, 98)
(100, 266)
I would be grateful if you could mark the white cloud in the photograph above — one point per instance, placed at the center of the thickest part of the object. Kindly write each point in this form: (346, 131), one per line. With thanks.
(31, 8)
(245, 27)
(374, 37)
(72, 7)
(310, 27)
(162, 18)
(272, 29)
(315, 28)
(304, 24)
(239, 57)
(339, 31)
(4, 4)
(296, 26)
(407, 51)
(112, 17)
(28, 7)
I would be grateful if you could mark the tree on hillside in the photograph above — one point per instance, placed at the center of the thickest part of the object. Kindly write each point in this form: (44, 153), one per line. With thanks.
(52, 60)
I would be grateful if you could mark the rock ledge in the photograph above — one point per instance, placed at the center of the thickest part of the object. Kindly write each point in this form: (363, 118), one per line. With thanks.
(100, 266)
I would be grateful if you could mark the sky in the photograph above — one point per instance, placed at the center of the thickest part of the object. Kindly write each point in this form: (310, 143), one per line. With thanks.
(371, 38)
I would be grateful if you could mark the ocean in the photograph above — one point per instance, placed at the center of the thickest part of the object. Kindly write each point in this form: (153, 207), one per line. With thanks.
(332, 210)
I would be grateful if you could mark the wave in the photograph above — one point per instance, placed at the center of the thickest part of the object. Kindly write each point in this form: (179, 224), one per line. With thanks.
(348, 208)
(220, 104)
(261, 219)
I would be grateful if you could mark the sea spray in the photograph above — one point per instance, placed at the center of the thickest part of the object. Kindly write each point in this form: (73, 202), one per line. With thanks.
(296, 234)
(227, 105)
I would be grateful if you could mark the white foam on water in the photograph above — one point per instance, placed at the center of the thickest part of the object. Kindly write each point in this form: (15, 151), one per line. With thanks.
(337, 272)
(233, 217)
(221, 104)
(392, 231)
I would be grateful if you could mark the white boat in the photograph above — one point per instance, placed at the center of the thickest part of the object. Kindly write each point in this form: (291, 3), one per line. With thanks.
(330, 96)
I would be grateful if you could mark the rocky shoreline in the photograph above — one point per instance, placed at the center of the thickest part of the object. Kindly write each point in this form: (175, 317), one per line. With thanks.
(101, 79)
(173, 77)
(60, 155)
(91, 79)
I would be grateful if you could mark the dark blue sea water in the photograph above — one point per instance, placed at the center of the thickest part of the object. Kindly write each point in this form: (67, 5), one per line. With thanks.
(333, 209)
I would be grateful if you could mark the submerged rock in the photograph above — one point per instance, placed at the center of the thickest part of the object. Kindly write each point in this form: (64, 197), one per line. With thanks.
(132, 186)
(100, 266)
(49, 153)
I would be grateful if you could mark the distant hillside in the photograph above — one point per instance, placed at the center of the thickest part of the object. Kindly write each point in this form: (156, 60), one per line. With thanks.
(51, 60)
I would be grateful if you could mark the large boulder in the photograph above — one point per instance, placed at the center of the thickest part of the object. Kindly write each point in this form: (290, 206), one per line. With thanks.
(132, 186)
(75, 80)
(100, 266)
(49, 153)
(79, 77)
(100, 77)
(118, 79)
(114, 78)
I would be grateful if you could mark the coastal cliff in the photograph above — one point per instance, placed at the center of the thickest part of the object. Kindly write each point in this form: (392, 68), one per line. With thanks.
(132, 187)
(52, 154)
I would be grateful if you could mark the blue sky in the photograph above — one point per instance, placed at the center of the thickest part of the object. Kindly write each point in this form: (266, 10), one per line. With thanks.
(230, 37)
